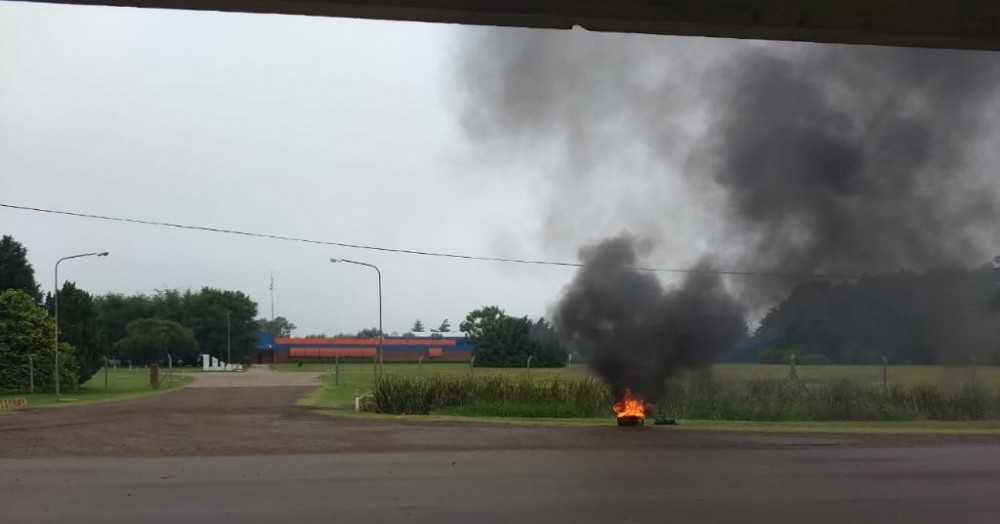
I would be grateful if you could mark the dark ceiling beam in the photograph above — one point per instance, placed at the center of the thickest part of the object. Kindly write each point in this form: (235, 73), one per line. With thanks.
(969, 24)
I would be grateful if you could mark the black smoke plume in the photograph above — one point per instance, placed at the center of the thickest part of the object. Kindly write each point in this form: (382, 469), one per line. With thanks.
(811, 159)
(854, 160)
(634, 332)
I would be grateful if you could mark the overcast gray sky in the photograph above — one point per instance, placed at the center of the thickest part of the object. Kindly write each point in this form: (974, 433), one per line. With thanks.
(495, 142)
(332, 129)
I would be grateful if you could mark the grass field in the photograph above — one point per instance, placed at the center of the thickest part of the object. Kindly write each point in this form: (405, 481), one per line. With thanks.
(122, 385)
(355, 376)
(944, 376)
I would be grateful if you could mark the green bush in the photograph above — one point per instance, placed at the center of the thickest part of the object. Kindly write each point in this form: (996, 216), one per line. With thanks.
(26, 331)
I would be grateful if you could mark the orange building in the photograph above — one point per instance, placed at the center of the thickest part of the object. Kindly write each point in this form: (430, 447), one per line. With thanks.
(395, 349)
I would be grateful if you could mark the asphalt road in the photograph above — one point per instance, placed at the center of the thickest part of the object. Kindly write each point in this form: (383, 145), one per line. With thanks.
(807, 480)
(233, 451)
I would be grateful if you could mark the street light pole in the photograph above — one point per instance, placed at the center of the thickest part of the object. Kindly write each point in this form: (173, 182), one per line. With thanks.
(55, 302)
(379, 273)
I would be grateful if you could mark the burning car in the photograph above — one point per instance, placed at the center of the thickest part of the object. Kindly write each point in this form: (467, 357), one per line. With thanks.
(631, 409)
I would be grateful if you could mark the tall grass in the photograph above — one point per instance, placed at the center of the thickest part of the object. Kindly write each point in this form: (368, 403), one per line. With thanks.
(497, 394)
(697, 398)
(784, 400)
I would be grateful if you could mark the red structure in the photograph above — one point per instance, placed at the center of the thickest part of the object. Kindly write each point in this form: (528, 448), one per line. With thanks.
(394, 349)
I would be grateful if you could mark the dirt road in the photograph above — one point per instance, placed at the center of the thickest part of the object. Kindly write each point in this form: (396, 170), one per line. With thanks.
(255, 377)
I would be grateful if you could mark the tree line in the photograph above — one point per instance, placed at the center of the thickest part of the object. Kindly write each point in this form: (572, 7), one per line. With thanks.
(502, 340)
(946, 316)
(138, 329)
(418, 327)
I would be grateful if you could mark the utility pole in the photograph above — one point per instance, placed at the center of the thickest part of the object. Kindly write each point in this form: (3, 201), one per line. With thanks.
(166, 351)
(378, 357)
(272, 296)
(229, 348)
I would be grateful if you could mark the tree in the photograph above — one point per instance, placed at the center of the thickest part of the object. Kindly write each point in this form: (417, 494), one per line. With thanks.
(150, 340)
(477, 320)
(547, 346)
(418, 327)
(210, 311)
(368, 333)
(15, 271)
(25, 330)
(116, 311)
(504, 342)
(80, 327)
(278, 326)
(940, 316)
(445, 327)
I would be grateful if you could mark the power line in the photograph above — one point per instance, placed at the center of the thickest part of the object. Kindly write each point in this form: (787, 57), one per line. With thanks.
(407, 251)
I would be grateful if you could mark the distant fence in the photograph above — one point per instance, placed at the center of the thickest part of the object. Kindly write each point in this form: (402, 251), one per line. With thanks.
(13, 403)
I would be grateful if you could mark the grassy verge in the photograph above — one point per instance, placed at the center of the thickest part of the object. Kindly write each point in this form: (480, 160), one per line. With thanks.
(122, 385)
(333, 396)
(859, 428)
(731, 396)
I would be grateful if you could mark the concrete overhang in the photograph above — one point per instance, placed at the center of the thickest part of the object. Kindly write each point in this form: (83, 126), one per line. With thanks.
(966, 24)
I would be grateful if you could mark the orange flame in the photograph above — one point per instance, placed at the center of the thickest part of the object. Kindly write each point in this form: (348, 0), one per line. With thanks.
(630, 406)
